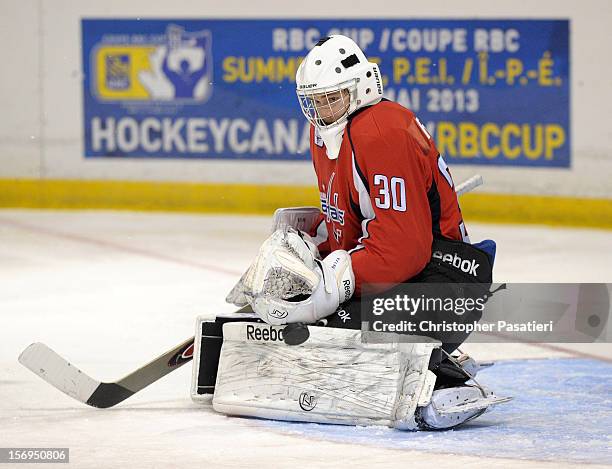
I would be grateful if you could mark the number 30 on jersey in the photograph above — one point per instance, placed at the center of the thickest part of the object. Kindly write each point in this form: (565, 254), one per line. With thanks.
(391, 192)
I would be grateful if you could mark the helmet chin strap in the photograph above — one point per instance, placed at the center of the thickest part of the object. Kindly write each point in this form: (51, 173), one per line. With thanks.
(332, 137)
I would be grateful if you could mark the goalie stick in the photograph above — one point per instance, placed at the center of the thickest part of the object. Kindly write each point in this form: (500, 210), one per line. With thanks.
(469, 184)
(62, 375)
(67, 378)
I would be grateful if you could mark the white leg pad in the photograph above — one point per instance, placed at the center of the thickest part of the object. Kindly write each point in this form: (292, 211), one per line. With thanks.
(331, 378)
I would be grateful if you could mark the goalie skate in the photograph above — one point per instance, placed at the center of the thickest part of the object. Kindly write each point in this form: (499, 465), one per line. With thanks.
(451, 407)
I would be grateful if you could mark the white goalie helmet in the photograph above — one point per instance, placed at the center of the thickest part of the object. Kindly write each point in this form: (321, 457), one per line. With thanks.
(334, 80)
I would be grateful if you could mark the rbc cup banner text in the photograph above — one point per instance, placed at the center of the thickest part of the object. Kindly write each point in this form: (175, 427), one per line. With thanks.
(492, 92)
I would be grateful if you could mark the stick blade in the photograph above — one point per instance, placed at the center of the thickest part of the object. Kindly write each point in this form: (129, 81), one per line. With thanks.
(58, 372)
(107, 395)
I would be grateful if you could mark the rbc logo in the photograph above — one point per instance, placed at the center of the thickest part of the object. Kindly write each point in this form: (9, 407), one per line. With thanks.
(118, 71)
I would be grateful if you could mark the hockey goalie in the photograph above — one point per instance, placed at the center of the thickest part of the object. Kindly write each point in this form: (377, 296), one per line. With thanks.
(387, 202)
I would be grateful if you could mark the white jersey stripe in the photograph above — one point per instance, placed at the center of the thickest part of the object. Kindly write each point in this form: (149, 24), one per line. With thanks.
(365, 206)
(443, 167)
(464, 236)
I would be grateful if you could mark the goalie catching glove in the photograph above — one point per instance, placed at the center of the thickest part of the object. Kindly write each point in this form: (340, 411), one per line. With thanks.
(287, 283)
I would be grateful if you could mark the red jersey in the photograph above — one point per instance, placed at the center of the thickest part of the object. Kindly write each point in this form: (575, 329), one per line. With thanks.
(385, 196)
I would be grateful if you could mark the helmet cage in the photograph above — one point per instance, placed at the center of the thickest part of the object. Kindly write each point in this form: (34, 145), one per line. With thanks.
(329, 106)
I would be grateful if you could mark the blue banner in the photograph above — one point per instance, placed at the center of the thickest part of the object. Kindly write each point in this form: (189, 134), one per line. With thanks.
(489, 91)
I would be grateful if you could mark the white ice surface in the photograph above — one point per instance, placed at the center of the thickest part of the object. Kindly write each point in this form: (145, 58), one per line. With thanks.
(111, 290)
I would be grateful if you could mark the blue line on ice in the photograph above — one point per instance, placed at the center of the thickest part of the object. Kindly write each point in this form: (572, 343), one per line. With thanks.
(562, 410)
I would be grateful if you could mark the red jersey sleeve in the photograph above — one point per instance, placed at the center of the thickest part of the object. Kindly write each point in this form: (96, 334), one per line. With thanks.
(392, 175)
(450, 222)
